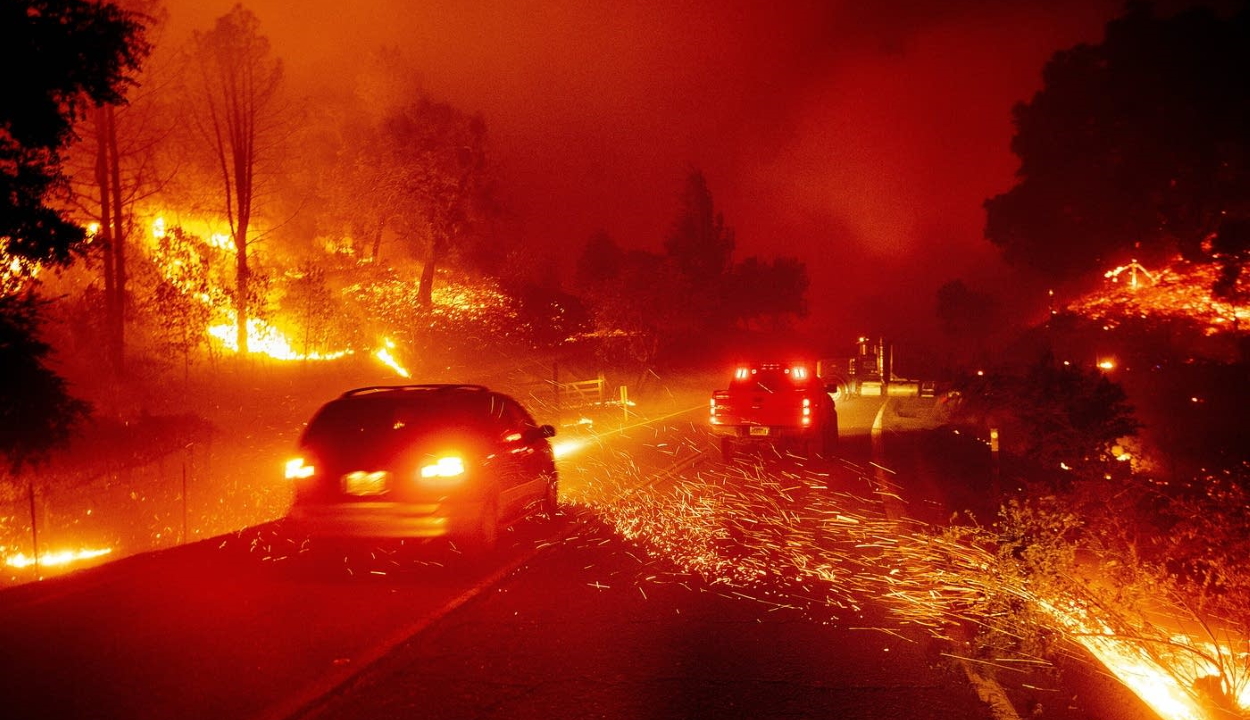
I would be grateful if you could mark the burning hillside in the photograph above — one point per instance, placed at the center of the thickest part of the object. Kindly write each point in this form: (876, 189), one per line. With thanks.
(1180, 291)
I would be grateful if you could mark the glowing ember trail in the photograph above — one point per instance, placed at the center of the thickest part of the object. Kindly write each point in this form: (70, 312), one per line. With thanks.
(65, 557)
(384, 354)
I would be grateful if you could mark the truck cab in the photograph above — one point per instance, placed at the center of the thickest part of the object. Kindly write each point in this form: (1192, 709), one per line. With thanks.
(776, 403)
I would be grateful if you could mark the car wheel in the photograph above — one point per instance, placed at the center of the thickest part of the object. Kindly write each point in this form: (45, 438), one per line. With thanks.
(829, 436)
(551, 497)
(485, 535)
(726, 449)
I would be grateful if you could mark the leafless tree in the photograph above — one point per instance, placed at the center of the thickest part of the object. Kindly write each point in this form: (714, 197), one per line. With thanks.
(239, 83)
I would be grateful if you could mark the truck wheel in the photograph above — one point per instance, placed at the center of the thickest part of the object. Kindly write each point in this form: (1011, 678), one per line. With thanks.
(813, 446)
(726, 449)
(828, 443)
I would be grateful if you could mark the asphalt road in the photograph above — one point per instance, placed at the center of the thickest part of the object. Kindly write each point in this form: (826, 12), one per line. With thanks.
(666, 588)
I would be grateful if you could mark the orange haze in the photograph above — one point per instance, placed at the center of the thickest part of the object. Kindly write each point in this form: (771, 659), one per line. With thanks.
(861, 137)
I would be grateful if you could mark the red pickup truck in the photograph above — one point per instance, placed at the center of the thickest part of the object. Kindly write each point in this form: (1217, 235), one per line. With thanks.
(778, 404)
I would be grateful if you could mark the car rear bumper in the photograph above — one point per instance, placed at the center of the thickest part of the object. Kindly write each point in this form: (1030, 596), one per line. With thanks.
(774, 432)
(385, 519)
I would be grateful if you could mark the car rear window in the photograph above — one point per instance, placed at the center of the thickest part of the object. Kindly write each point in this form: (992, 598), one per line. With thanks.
(373, 417)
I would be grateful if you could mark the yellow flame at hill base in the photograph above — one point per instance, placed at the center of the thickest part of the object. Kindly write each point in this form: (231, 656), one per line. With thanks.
(52, 559)
(265, 339)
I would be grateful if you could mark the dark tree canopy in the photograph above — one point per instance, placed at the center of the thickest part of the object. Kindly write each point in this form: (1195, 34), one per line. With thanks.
(700, 243)
(600, 261)
(36, 410)
(1051, 414)
(1135, 147)
(57, 58)
(772, 293)
(672, 302)
(965, 313)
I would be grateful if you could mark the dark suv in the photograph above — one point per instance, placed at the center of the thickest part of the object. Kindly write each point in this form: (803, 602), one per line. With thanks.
(421, 461)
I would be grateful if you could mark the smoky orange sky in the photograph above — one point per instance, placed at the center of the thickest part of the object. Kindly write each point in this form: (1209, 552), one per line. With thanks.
(861, 137)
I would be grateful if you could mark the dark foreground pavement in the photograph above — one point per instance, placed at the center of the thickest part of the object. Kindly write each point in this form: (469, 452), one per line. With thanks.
(590, 630)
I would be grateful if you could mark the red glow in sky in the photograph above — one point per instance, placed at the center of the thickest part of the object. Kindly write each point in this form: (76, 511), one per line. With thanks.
(861, 137)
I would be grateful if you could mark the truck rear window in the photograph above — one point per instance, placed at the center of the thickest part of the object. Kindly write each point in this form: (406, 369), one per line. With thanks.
(766, 380)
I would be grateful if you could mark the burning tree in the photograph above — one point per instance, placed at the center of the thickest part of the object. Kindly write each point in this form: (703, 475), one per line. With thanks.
(183, 294)
(239, 84)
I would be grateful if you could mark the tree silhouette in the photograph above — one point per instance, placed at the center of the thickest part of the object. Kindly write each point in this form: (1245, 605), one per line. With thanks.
(1133, 148)
(968, 316)
(182, 294)
(769, 293)
(436, 156)
(56, 60)
(37, 412)
(1051, 414)
(700, 242)
(701, 247)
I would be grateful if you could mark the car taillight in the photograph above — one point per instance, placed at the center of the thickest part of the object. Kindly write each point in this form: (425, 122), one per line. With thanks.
(807, 412)
(445, 470)
(298, 469)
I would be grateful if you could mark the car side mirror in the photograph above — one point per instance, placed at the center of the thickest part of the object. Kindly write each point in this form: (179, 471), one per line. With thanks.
(546, 431)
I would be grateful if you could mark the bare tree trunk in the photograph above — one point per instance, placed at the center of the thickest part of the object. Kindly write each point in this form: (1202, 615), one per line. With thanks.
(104, 235)
(377, 241)
(241, 277)
(119, 243)
(425, 293)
